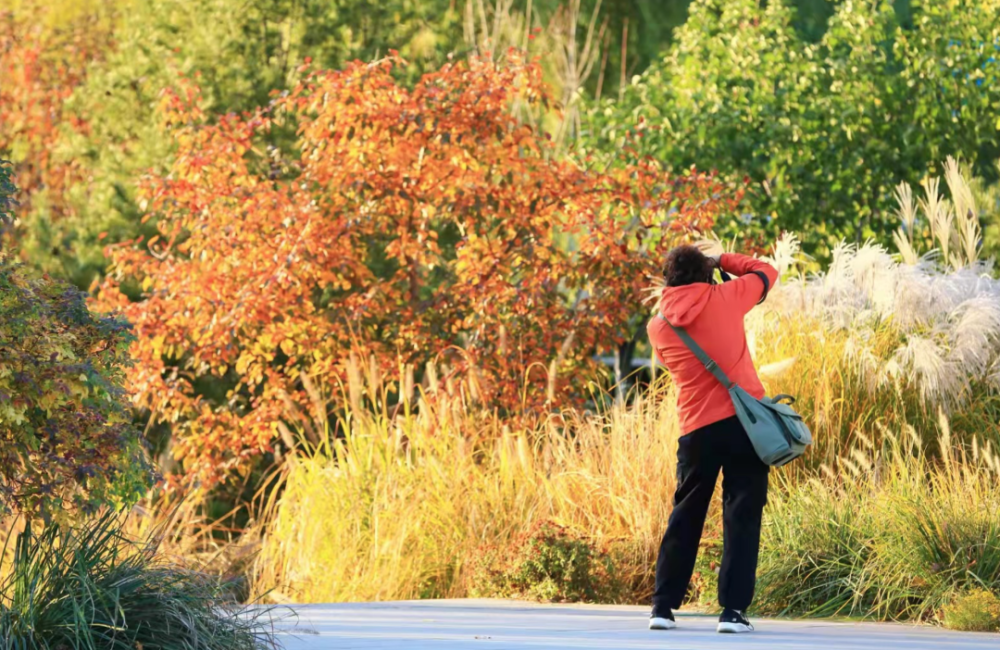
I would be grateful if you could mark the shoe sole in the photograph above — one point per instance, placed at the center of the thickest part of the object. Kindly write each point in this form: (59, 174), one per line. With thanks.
(661, 624)
(733, 628)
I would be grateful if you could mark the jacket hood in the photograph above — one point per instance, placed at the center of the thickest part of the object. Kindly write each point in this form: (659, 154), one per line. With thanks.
(681, 305)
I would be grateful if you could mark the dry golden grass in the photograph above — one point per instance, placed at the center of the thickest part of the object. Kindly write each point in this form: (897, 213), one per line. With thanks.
(399, 507)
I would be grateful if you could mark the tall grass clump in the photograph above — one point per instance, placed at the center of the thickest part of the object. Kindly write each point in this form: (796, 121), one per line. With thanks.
(91, 587)
(889, 533)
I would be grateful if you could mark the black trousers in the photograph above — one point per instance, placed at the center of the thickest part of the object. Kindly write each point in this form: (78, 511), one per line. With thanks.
(701, 455)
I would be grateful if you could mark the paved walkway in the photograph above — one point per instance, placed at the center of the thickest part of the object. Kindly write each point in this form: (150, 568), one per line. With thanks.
(496, 625)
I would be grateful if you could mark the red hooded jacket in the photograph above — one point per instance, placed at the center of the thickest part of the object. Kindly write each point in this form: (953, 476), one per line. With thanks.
(713, 315)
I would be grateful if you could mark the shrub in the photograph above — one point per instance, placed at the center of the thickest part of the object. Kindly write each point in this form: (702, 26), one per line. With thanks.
(547, 563)
(815, 546)
(977, 610)
(704, 588)
(7, 192)
(69, 437)
(90, 587)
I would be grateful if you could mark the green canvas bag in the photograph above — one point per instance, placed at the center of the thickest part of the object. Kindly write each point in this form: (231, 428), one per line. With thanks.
(776, 431)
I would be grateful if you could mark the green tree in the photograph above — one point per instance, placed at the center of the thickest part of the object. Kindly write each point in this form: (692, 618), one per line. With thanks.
(823, 130)
(68, 438)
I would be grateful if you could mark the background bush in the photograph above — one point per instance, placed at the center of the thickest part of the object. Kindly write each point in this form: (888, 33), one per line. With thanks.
(7, 192)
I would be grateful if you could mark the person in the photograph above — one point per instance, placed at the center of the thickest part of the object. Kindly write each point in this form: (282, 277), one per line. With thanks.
(712, 438)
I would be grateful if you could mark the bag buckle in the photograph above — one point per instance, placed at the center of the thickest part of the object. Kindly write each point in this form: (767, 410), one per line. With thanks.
(712, 366)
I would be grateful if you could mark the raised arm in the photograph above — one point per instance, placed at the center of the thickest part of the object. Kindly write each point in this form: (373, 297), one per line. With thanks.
(746, 290)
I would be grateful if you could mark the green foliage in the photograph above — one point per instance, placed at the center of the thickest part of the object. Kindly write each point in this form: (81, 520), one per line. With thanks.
(64, 418)
(814, 548)
(949, 68)
(822, 130)
(977, 610)
(988, 200)
(92, 587)
(646, 26)
(548, 563)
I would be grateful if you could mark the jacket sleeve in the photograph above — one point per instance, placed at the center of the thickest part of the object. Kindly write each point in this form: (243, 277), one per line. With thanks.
(746, 290)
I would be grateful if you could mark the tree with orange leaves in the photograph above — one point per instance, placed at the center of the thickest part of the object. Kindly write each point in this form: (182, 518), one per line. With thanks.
(41, 65)
(407, 224)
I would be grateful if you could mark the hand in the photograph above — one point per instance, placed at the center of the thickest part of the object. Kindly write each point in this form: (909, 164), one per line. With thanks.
(709, 246)
(712, 249)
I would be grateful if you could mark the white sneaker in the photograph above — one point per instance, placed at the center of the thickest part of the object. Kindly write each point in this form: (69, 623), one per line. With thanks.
(662, 620)
(733, 621)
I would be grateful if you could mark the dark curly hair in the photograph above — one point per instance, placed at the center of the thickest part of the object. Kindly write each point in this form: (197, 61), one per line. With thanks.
(687, 265)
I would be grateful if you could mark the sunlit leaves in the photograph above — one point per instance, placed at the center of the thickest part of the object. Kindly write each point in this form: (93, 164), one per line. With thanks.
(412, 223)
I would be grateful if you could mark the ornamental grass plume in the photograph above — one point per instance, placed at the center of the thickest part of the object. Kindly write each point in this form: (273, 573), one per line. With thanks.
(943, 306)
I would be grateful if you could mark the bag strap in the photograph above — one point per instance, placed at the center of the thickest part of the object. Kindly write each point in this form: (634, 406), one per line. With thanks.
(702, 356)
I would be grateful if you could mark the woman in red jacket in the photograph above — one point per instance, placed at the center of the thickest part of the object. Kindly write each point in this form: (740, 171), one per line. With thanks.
(712, 438)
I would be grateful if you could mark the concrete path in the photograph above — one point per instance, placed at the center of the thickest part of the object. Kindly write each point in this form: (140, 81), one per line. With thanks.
(496, 625)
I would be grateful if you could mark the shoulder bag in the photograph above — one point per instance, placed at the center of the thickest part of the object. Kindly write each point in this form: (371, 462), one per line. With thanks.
(776, 431)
